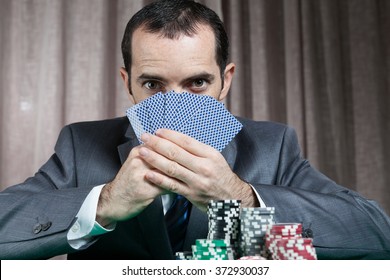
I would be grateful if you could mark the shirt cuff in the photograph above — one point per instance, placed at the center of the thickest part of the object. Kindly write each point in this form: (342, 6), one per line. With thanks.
(85, 228)
(261, 202)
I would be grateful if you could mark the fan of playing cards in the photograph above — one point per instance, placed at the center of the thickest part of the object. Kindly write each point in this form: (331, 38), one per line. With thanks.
(199, 116)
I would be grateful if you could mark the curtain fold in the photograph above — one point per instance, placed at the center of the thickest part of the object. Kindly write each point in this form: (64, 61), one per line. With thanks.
(320, 66)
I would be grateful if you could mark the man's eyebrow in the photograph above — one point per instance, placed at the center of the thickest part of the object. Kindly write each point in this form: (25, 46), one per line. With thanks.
(145, 76)
(200, 76)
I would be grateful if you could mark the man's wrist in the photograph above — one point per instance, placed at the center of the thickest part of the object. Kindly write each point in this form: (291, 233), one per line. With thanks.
(249, 197)
(102, 217)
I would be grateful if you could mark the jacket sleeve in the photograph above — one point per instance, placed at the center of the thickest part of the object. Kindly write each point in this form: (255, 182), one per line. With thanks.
(36, 215)
(344, 224)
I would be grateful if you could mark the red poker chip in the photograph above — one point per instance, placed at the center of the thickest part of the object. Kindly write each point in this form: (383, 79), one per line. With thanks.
(290, 256)
(293, 249)
(291, 242)
(286, 255)
(270, 239)
(307, 250)
(284, 232)
(286, 228)
(296, 258)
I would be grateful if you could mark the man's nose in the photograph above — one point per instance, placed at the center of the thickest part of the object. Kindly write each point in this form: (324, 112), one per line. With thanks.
(176, 89)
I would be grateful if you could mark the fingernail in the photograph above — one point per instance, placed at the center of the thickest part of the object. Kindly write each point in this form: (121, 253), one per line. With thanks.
(159, 132)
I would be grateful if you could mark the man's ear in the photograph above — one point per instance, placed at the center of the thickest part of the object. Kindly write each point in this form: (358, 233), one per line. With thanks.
(228, 76)
(125, 78)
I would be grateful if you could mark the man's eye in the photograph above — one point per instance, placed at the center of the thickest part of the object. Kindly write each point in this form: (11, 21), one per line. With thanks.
(151, 85)
(199, 83)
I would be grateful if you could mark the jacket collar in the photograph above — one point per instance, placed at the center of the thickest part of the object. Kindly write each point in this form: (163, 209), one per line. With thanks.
(131, 142)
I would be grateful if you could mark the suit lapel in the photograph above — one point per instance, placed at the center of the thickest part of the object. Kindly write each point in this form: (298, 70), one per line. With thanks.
(151, 220)
(125, 148)
(230, 153)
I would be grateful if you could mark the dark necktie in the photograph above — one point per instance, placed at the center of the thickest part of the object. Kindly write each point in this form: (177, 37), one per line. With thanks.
(176, 221)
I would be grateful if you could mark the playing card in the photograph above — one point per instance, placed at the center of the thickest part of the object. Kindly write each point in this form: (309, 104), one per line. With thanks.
(189, 105)
(213, 125)
(136, 115)
(172, 104)
(199, 116)
(156, 112)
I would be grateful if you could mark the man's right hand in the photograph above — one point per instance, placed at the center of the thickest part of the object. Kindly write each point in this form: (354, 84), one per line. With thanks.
(129, 193)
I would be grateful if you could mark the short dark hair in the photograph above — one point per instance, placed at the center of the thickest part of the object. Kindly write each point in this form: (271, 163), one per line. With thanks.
(173, 18)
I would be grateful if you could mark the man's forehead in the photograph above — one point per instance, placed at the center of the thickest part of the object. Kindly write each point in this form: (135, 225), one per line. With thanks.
(153, 47)
(194, 30)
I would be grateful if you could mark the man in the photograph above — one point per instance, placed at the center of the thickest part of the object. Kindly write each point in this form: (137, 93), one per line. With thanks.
(102, 195)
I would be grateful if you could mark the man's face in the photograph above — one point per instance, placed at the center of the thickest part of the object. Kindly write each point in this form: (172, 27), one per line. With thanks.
(186, 64)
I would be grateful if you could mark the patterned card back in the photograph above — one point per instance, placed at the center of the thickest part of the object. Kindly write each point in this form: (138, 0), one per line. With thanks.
(213, 125)
(199, 116)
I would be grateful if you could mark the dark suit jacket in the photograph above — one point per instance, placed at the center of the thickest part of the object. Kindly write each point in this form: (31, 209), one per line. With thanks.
(36, 215)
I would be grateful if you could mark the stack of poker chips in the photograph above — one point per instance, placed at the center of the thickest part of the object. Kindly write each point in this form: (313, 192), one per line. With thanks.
(295, 249)
(249, 234)
(285, 242)
(254, 224)
(206, 249)
(224, 222)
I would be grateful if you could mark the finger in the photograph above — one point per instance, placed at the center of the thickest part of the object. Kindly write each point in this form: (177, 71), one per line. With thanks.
(186, 142)
(170, 185)
(167, 166)
(134, 165)
(172, 152)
